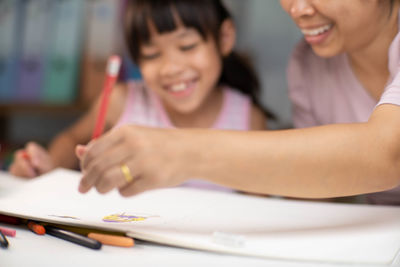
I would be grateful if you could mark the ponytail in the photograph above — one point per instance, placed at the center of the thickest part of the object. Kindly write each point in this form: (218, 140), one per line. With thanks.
(239, 74)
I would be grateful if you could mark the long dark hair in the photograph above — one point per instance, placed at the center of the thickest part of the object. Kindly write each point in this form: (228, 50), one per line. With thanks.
(205, 16)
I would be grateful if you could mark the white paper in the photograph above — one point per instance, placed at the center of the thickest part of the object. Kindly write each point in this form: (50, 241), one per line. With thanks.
(219, 221)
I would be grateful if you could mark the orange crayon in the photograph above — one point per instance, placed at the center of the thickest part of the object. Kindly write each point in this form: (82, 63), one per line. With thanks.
(113, 240)
(36, 228)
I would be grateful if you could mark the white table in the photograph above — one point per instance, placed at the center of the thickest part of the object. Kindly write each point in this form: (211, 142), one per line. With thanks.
(29, 249)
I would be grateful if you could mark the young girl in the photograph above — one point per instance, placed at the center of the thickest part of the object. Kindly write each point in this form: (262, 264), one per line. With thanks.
(356, 86)
(191, 78)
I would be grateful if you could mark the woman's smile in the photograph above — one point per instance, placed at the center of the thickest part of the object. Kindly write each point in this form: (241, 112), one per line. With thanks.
(317, 35)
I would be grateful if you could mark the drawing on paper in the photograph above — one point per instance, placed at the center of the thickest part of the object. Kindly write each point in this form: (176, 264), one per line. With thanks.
(65, 217)
(122, 217)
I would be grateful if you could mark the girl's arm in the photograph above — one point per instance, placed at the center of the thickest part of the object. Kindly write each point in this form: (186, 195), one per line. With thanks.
(34, 160)
(258, 121)
(62, 148)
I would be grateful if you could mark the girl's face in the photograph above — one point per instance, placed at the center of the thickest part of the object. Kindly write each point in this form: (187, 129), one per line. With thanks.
(335, 26)
(181, 67)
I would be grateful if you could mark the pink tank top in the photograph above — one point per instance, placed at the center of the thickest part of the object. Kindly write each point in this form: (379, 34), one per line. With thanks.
(143, 107)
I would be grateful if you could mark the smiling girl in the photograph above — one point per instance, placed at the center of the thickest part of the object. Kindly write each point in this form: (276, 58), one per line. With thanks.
(191, 78)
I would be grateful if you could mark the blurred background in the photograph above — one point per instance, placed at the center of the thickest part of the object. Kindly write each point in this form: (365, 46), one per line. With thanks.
(53, 55)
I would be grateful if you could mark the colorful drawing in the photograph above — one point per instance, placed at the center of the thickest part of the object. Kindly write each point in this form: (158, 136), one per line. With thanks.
(124, 218)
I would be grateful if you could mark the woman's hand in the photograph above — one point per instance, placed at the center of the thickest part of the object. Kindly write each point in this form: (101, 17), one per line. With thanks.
(31, 161)
(134, 159)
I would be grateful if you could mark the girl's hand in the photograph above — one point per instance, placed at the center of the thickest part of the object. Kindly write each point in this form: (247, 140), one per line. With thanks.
(32, 161)
(152, 158)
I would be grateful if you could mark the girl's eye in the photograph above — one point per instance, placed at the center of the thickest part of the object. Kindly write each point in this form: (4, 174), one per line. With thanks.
(150, 56)
(188, 47)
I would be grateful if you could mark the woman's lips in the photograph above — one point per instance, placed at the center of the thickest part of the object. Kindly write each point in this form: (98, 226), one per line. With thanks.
(317, 35)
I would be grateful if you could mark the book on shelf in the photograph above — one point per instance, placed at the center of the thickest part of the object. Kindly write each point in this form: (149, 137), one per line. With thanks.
(34, 46)
(64, 51)
(10, 26)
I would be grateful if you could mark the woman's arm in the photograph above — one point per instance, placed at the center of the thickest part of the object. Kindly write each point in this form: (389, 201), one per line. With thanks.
(327, 161)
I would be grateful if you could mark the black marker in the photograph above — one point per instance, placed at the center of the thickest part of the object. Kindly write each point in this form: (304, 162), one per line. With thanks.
(73, 237)
(3, 241)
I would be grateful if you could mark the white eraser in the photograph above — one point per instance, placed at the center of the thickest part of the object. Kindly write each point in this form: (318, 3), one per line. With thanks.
(114, 64)
(228, 239)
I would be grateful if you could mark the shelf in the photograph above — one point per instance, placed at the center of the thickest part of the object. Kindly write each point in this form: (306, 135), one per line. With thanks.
(10, 109)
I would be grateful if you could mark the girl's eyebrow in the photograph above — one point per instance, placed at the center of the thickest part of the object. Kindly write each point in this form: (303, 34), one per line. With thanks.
(185, 33)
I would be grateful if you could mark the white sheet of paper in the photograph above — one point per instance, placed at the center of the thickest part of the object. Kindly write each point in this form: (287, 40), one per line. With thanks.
(218, 221)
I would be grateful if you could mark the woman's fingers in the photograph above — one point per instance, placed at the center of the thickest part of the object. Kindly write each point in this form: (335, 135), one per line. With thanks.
(98, 147)
(112, 178)
(105, 172)
(80, 151)
(137, 186)
(132, 159)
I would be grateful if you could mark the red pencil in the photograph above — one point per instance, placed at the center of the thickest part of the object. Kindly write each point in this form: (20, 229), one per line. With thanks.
(113, 66)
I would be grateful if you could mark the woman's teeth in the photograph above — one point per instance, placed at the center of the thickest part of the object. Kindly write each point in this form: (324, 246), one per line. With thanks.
(178, 87)
(317, 31)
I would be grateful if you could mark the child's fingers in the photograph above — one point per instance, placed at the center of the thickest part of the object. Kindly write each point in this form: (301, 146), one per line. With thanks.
(35, 153)
(39, 157)
(21, 166)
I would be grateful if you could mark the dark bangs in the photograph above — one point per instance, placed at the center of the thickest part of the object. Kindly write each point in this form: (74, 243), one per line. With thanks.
(202, 15)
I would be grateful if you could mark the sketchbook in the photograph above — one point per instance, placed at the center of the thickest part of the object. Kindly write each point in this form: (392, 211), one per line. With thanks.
(215, 221)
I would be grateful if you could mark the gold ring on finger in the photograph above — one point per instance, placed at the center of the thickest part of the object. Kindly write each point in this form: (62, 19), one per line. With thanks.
(127, 173)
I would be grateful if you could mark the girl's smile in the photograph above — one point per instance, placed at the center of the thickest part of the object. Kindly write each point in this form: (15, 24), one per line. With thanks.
(181, 89)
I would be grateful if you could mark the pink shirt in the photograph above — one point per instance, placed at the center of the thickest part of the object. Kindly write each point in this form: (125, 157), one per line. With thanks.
(326, 91)
(143, 107)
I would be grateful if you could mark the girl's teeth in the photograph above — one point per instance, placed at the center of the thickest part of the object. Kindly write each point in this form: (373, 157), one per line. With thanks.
(316, 31)
(178, 87)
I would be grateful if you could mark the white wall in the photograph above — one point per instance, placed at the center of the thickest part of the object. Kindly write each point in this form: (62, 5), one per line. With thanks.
(267, 34)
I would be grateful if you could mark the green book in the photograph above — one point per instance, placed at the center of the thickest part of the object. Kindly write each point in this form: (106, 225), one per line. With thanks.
(63, 57)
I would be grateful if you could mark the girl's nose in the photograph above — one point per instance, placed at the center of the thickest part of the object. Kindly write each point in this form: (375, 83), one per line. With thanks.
(300, 8)
(171, 66)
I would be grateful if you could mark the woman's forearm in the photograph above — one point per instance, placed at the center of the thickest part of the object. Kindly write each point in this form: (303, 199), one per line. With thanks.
(328, 161)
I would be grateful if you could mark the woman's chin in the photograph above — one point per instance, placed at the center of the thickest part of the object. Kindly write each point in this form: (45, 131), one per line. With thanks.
(325, 52)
